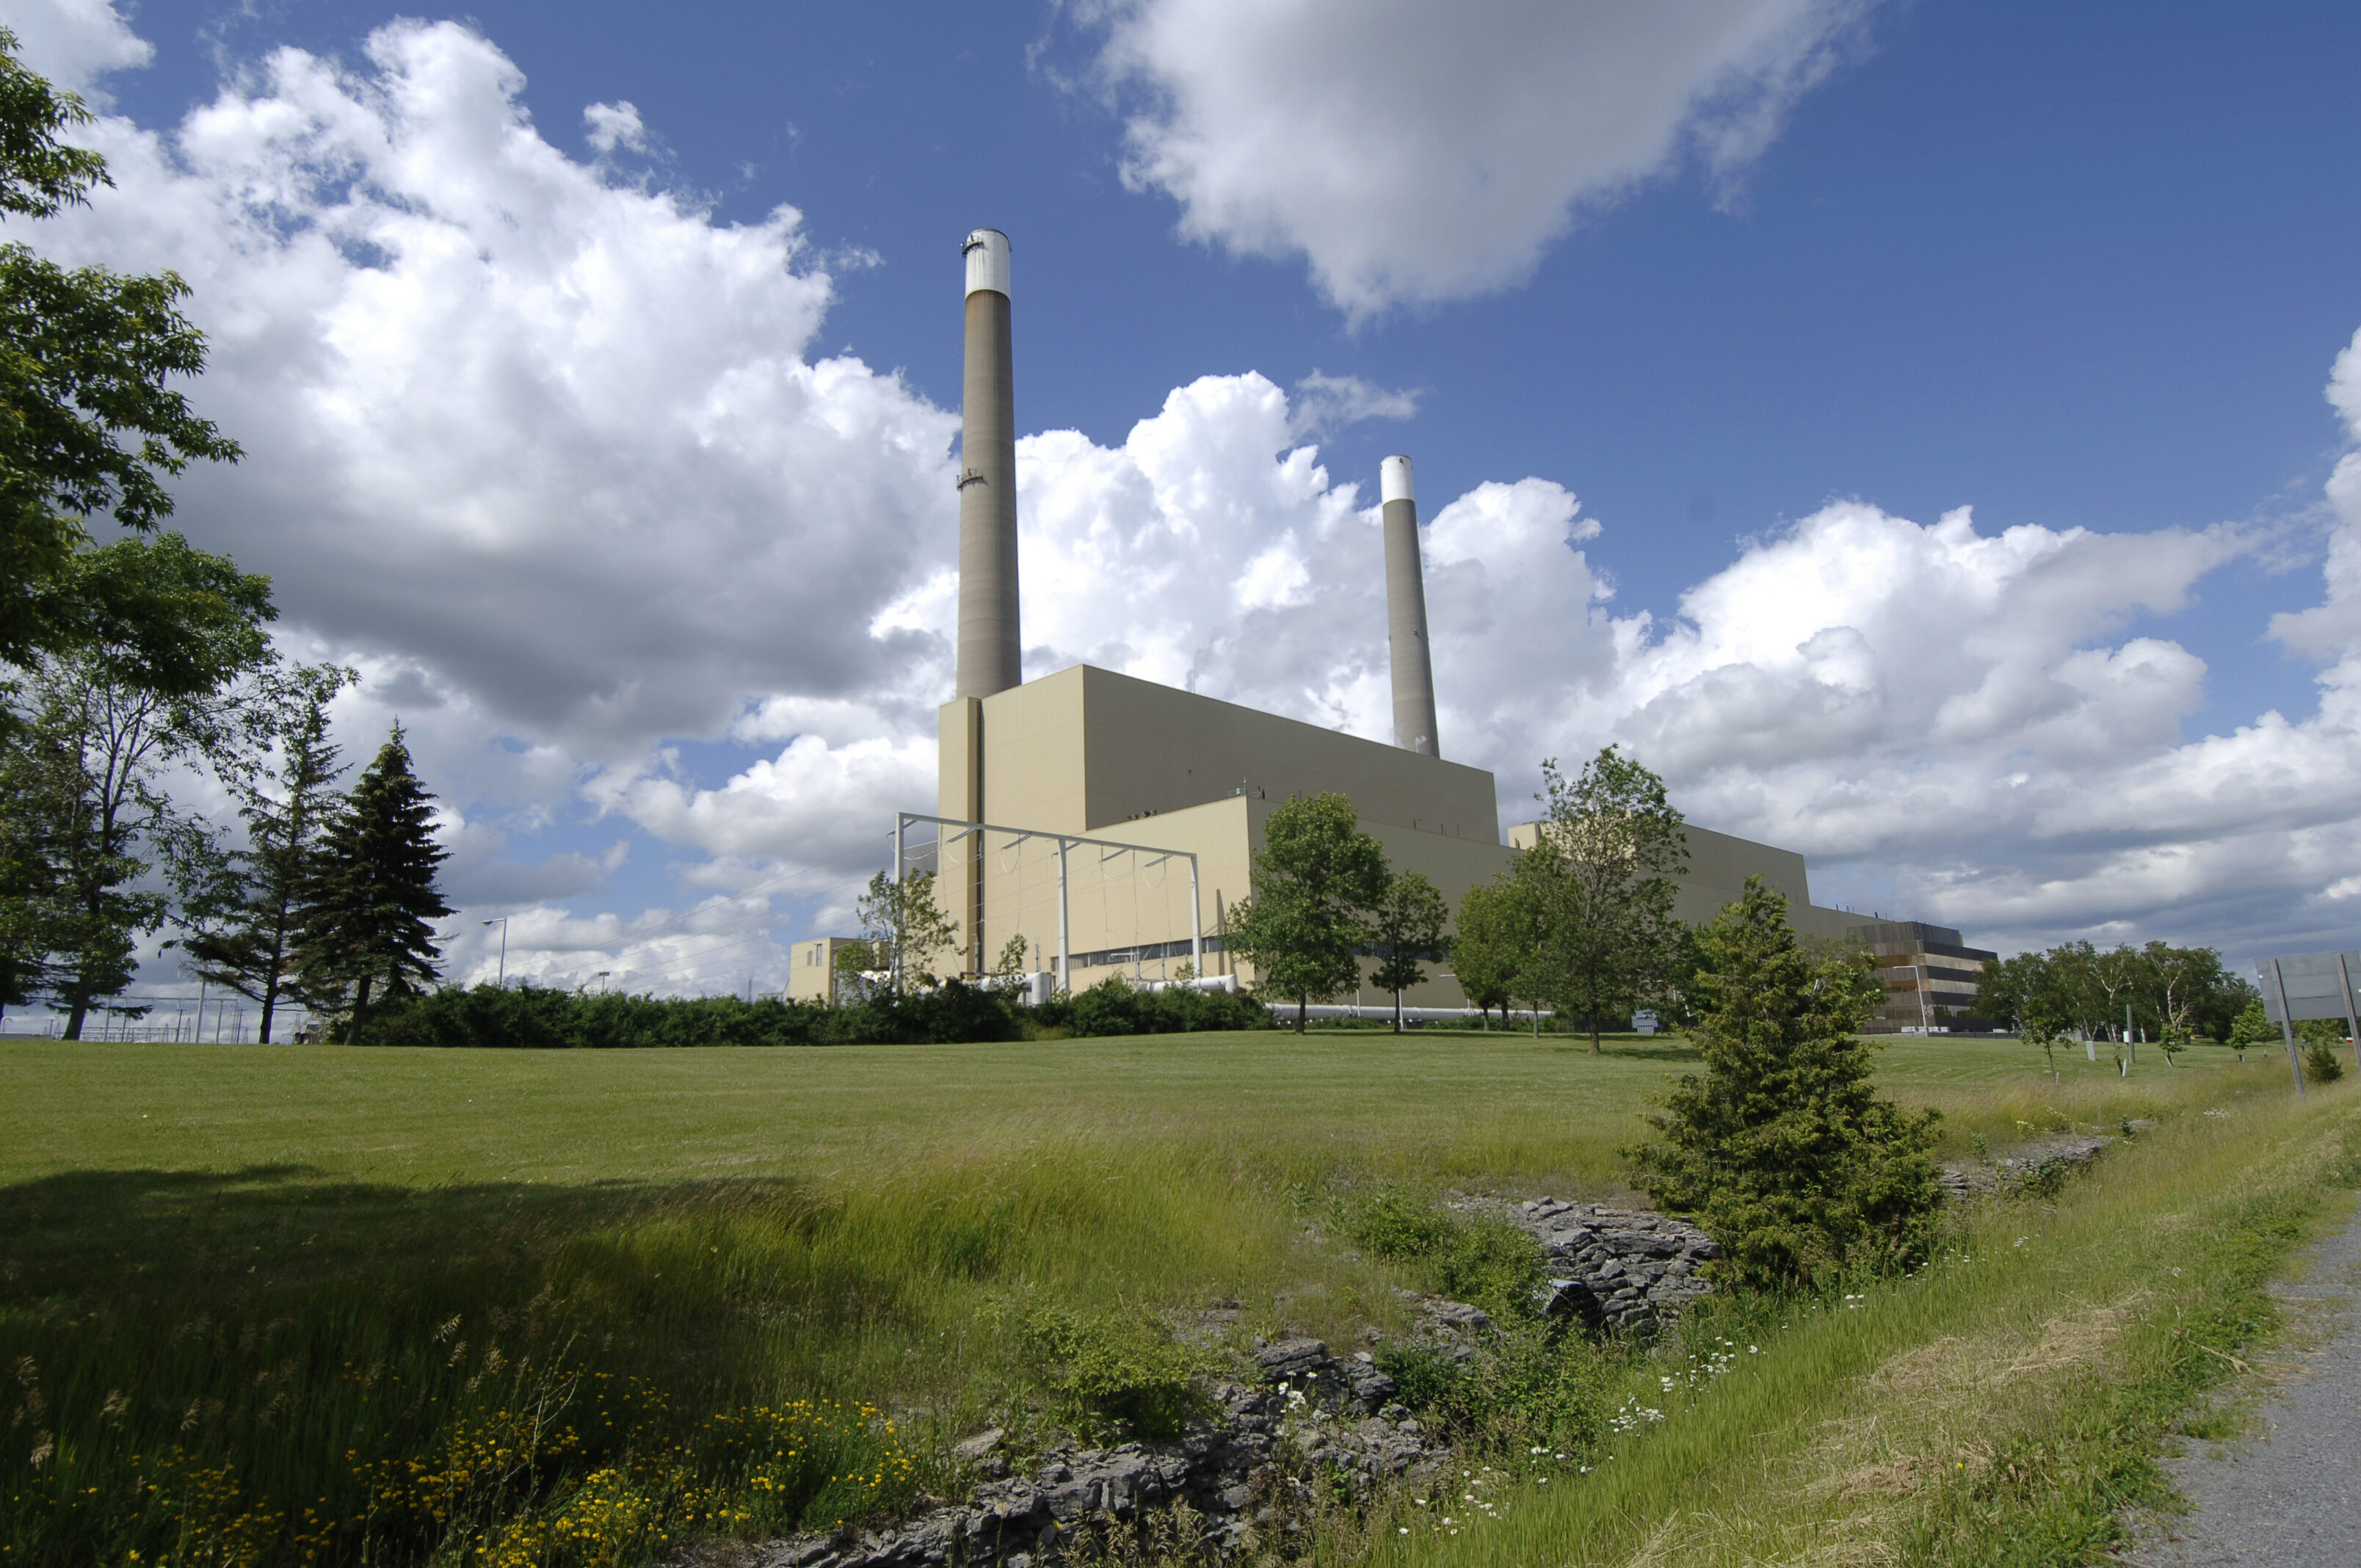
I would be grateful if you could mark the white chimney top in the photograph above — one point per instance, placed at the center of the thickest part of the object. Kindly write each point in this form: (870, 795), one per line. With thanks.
(1393, 480)
(987, 261)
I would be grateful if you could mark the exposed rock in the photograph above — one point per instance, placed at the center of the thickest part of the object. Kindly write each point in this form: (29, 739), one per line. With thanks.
(976, 1447)
(2032, 1163)
(1620, 1271)
(1312, 1410)
(1614, 1269)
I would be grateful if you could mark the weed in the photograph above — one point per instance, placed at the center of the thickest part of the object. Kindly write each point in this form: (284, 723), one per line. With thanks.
(1114, 1368)
(1477, 1256)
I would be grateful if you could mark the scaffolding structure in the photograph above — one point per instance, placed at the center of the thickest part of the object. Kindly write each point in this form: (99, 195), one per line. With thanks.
(950, 830)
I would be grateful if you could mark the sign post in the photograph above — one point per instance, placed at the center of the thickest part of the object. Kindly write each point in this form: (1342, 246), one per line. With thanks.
(2287, 1028)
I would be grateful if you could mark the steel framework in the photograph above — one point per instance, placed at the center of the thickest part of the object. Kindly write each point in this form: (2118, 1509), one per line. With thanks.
(958, 829)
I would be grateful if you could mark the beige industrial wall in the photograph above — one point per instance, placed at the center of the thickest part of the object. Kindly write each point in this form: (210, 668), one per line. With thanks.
(811, 965)
(1719, 865)
(1086, 750)
(1124, 899)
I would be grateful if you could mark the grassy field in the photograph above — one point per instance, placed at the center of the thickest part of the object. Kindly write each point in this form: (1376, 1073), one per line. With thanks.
(406, 1291)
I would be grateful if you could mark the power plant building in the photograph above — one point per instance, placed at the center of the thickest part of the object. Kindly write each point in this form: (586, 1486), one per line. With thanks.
(1154, 775)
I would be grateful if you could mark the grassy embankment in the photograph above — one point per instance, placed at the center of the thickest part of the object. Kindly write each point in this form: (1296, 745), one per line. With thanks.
(658, 1290)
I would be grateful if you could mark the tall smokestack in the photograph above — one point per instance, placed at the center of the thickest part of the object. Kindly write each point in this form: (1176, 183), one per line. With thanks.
(989, 658)
(1406, 613)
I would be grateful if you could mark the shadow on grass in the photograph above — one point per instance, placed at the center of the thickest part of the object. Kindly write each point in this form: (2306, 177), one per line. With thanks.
(1632, 1048)
(1624, 1048)
(281, 1337)
(119, 1241)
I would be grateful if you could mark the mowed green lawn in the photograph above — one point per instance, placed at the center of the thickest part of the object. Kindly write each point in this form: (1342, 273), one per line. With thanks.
(1502, 1106)
(294, 1267)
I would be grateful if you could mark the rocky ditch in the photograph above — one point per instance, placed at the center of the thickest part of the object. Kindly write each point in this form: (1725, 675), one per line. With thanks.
(2034, 1165)
(1615, 1270)
(1238, 1468)
(1242, 1467)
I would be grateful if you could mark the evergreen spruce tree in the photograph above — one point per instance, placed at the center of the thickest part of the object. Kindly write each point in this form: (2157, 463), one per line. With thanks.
(244, 911)
(367, 931)
(1783, 1151)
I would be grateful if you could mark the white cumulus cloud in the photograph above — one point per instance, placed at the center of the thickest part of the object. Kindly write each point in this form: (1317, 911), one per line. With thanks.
(75, 43)
(1414, 153)
(560, 441)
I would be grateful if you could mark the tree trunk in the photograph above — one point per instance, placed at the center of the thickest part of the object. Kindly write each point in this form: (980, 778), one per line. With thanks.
(270, 1005)
(1303, 1012)
(360, 1011)
(80, 1010)
(1397, 1011)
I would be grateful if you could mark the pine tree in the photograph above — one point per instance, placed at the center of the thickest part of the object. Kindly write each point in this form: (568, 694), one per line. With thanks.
(1783, 1152)
(366, 930)
(246, 910)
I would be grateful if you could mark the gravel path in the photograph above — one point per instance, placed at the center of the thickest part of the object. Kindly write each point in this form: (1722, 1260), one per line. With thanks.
(2288, 1496)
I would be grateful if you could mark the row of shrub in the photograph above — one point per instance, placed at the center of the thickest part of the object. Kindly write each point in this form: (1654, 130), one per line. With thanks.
(535, 1018)
(1111, 1007)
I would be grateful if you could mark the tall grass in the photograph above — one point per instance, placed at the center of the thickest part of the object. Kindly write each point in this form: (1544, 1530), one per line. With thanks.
(287, 1304)
(1998, 1406)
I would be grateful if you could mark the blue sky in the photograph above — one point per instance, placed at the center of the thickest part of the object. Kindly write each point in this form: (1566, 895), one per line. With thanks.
(2082, 267)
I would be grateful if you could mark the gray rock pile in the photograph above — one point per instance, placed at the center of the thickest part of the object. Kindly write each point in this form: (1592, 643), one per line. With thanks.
(1615, 1270)
(1241, 1467)
(2031, 1164)
(1236, 1468)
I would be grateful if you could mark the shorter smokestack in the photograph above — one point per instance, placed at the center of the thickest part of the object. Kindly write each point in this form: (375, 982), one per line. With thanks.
(1406, 613)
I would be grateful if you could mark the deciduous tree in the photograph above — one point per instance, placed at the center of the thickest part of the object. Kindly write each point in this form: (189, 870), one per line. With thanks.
(1316, 879)
(1601, 875)
(1492, 944)
(2252, 1027)
(244, 912)
(89, 426)
(92, 737)
(1406, 932)
(906, 931)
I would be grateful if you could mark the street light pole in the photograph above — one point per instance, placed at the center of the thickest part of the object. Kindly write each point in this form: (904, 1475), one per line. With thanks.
(602, 981)
(503, 924)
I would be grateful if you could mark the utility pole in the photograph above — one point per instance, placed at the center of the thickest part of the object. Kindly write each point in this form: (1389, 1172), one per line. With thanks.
(503, 924)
